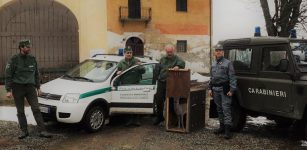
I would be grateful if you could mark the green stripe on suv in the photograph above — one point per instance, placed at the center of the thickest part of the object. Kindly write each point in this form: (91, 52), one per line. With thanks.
(95, 92)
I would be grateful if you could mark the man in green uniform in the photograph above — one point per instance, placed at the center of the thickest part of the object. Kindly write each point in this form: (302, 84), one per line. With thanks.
(131, 77)
(22, 81)
(170, 61)
(125, 64)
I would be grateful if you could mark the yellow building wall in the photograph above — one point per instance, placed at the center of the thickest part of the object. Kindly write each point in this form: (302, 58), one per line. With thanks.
(92, 19)
(114, 25)
(196, 21)
(166, 27)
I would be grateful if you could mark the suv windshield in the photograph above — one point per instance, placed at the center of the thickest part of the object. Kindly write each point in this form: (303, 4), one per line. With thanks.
(91, 71)
(299, 50)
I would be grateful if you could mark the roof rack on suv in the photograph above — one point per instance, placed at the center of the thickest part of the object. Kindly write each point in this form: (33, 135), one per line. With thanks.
(149, 57)
(104, 55)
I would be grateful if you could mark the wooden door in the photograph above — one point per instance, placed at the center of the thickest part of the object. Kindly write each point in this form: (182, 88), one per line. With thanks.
(134, 7)
(137, 46)
(52, 29)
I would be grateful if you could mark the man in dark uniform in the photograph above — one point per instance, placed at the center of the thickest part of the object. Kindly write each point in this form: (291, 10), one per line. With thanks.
(170, 61)
(22, 81)
(222, 86)
(130, 78)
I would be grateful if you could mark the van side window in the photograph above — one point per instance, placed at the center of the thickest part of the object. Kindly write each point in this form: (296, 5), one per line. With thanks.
(241, 59)
(271, 58)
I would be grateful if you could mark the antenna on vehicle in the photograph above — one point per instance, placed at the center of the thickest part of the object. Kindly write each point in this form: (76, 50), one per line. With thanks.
(293, 33)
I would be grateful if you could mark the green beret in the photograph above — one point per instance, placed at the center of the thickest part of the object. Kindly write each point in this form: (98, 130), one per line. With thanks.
(24, 43)
(128, 49)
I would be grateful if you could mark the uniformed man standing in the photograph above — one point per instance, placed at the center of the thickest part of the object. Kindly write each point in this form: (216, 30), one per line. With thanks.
(170, 61)
(222, 86)
(22, 81)
(132, 77)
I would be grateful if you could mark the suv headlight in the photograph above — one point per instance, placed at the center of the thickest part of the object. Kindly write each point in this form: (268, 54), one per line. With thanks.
(71, 98)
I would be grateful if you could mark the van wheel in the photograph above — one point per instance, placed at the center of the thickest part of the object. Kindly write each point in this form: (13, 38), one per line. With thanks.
(238, 116)
(94, 119)
(305, 130)
(299, 129)
(283, 123)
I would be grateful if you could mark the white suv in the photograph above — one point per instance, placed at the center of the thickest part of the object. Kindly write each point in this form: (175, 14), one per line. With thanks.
(91, 91)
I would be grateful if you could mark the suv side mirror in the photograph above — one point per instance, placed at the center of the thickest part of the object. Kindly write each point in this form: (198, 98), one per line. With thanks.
(283, 65)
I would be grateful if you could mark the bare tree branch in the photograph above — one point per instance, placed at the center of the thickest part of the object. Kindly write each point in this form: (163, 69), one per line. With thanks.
(288, 14)
(267, 16)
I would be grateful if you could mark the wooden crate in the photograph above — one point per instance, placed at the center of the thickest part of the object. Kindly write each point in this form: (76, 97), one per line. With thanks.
(184, 103)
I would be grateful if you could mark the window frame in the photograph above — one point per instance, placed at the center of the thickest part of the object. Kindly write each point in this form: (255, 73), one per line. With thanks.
(240, 50)
(132, 68)
(277, 74)
(185, 46)
(182, 5)
(262, 57)
(254, 61)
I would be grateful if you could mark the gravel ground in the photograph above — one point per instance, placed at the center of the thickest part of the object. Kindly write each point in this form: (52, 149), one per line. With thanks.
(9, 132)
(258, 134)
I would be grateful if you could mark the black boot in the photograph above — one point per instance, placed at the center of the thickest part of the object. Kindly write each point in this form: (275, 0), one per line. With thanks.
(45, 134)
(220, 130)
(227, 132)
(23, 135)
(136, 121)
(158, 120)
(129, 122)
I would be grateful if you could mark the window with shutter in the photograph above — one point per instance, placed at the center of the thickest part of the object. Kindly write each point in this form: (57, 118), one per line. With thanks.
(182, 46)
(182, 5)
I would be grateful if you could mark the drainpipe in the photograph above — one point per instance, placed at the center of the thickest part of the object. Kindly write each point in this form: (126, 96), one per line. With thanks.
(211, 32)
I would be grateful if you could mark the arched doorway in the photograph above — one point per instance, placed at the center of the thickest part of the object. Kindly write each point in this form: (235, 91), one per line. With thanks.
(137, 46)
(52, 29)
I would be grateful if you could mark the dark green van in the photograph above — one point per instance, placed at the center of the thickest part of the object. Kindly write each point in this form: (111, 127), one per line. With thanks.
(272, 79)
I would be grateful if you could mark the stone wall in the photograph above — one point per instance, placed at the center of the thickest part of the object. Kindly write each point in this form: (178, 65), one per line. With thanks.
(197, 56)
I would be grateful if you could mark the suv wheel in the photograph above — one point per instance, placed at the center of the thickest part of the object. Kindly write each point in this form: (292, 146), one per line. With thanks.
(94, 119)
(238, 116)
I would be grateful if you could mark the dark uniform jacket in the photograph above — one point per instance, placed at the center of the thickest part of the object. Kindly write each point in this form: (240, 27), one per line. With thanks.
(21, 69)
(223, 74)
(168, 63)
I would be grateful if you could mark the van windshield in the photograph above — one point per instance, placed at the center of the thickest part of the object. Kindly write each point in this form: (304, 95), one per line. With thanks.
(299, 50)
(91, 71)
